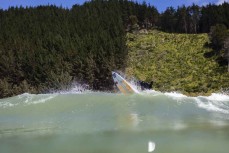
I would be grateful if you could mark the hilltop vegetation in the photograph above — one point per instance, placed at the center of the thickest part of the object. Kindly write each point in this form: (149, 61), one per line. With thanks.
(175, 62)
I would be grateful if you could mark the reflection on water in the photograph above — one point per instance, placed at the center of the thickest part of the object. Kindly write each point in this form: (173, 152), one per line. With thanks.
(104, 122)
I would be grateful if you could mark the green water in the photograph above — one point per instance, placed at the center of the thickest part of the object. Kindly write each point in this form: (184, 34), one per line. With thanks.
(113, 123)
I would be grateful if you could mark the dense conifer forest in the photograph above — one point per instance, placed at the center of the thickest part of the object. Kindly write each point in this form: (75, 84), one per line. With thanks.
(47, 48)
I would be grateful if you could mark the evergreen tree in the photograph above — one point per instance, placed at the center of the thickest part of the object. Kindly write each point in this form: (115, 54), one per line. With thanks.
(182, 18)
(217, 35)
(194, 13)
(168, 20)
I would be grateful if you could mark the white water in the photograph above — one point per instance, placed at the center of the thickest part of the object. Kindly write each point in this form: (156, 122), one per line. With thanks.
(217, 102)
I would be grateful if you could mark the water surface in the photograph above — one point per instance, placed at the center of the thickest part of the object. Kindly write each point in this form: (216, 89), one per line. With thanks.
(94, 122)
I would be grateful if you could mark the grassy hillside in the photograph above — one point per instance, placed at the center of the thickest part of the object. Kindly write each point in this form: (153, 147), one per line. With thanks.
(175, 62)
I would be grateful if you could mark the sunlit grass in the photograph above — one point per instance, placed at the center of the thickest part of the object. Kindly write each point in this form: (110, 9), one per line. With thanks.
(175, 62)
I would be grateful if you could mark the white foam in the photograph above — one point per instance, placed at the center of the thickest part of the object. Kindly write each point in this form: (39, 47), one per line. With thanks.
(28, 99)
(6, 104)
(212, 106)
(217, 102)
(175, 95)
(42, 100)
(76, 89)
(23, 95)
(151, 92)
(218, 97)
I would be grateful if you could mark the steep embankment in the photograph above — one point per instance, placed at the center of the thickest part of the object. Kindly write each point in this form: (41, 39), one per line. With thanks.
(175, 62)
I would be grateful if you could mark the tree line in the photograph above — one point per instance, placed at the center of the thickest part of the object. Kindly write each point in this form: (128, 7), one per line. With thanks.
(183, 19)
(47, 48)
(194, 19)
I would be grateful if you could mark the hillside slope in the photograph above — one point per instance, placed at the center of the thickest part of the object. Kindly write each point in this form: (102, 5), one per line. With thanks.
(175, 62)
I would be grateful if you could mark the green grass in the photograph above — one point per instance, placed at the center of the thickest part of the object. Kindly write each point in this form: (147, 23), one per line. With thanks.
(175, 62)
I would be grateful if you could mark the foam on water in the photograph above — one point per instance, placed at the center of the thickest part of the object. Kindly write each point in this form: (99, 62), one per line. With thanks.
(6, 104)
(26, 99)
(76, 89)
(218, 97)
(175, 95)
(150, 92)
(213, 105)
(217, 102)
